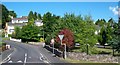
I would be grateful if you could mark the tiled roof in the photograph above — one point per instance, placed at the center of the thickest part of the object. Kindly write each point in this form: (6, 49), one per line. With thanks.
(16, 24)
(22, 18)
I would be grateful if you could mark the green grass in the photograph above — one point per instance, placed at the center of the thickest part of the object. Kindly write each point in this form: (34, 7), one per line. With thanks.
(81, 62)
(3, 38)
(77, 61)
(0, 43)
(104, 50)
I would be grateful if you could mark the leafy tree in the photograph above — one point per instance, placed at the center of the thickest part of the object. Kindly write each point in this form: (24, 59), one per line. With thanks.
(103, 36)
(49, 26)
(17, 33)
(35, 15)
(68, 38)
(100, 22)
(5, 17)
(30, 33)
(115, 42)
(39, 17)
(30, 16)
(12, 13)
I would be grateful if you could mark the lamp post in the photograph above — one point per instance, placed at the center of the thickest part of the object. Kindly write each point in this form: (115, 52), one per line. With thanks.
(61, 37)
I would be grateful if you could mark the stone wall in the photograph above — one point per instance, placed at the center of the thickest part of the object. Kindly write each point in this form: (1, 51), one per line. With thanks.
(94, 58)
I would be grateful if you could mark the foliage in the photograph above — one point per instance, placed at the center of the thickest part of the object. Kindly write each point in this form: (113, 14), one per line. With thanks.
(115, 42)
(50, 26)
(30, 33)
(39, 17)
(5, 17)
(35, 15)
(100, 22)
(17, 33)
(102, 38)
(31, 16)
(12, 13)
(68, 38)
(42, 40)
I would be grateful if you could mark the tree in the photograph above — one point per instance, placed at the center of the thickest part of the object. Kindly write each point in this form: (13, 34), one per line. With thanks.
(68, 38)
(115, 42)
(50, 25)
(30, 16)
(12, 13)
(17, 33)
(39, 17)
(102, 39)
(100, 22)
(35, 15)
(30, 33)
(5, 17)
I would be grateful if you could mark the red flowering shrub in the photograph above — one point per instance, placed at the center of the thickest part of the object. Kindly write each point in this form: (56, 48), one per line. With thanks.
(68, 38)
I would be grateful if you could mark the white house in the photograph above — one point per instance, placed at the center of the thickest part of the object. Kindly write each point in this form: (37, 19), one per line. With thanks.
(23, 19)
(9, 29)
(38, 22)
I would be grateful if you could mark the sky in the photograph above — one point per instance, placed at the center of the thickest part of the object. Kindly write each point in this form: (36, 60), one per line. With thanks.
(98, 10)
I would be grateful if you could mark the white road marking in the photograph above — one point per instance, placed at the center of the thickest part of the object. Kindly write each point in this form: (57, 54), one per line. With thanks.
(29, 57)
(7, 58)
(10, 62)
(25, 58)
(42, 59)
(19, 61)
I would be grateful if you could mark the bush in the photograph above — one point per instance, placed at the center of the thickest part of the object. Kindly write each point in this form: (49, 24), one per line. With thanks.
(42, 40)
(9, 35)
(47, 40)
(68, 38)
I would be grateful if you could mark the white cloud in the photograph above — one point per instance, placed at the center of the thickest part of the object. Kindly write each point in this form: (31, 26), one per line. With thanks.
(115, 10)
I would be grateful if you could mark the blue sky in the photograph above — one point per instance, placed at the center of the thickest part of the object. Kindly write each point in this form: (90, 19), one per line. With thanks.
(97, 10)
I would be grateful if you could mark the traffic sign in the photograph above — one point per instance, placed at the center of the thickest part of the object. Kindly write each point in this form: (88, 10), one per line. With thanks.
(52, 41)
(61, 36)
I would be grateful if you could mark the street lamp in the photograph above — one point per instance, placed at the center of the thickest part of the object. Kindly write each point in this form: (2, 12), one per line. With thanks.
(61, 37)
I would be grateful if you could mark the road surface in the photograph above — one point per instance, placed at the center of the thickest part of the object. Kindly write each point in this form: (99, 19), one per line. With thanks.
(29, 54)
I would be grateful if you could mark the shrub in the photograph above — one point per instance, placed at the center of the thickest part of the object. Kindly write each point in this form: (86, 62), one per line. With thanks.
(68, 38)
(42, 40)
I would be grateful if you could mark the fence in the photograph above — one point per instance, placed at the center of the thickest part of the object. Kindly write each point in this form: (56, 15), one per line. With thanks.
(56, 51)
(17, 40)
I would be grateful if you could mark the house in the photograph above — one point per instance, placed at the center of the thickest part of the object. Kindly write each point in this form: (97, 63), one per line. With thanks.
(23, 19)
(97, 29)
(20, 22)
(38, 23)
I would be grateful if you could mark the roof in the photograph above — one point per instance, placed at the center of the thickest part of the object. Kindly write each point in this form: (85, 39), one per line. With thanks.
(22, 18)
(16, 24)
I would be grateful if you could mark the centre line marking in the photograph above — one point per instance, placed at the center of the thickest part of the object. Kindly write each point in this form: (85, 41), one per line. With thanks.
(25, 58)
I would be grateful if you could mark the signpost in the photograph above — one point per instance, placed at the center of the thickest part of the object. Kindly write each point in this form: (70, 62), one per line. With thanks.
(61, 37)
(52, 42)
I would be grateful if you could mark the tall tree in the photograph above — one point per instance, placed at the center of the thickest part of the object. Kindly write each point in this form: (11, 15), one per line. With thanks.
(102, 39)
(30, 33)
(35, 15)
(31, 16)
(5, 17)
(100, 22)
(12, 13)
(39, 17)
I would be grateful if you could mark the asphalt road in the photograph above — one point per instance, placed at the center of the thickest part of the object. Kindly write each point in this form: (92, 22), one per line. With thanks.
(30, 54)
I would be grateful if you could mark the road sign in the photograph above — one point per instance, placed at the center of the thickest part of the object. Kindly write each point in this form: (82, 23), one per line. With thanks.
(61, 36)
(52, 41)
